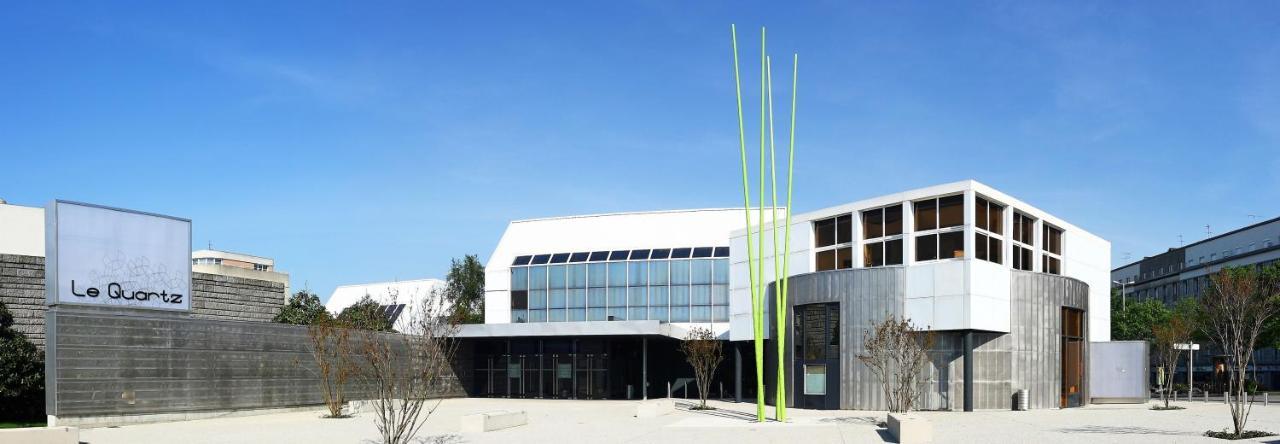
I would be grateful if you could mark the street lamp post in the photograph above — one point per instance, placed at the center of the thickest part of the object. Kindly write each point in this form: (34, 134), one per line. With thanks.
(1123, 301)
(1191, 359)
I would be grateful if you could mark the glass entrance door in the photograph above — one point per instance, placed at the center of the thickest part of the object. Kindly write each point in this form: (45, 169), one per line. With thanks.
(817, 356)
(1072, 358)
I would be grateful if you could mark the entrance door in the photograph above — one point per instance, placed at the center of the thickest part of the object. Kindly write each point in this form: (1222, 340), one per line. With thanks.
(817, 356)
(1072, 358)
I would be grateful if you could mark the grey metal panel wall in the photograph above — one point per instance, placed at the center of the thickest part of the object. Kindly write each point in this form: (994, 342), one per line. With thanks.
(1028, 357)
(174, 363)
(1037, 300)
(866, 296)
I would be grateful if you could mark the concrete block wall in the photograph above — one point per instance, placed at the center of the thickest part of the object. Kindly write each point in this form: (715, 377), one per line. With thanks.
(22, 291)
(213, 296)
(231, 298)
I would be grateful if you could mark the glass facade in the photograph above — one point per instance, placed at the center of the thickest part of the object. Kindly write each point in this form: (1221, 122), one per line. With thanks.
(669, 285)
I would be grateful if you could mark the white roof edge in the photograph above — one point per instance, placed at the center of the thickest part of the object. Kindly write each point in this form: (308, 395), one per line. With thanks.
(625, 213)
(406, 281)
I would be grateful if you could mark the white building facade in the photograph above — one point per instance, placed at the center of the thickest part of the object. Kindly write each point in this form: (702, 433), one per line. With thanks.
(1009, 289)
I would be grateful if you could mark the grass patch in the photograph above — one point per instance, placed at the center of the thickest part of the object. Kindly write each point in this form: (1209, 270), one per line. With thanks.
(1247, 434)
(1172, 407)
(21, 424)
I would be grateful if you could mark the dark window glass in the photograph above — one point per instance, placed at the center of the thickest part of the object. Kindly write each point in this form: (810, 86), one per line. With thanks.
(598, 256)
(893, 220)
(980, 246)
(824, 233)
(560, 258)
(519, 300)
(873, 223)
(980, 214)
(826, 260)
(873, 254)
(681, 253)
(1053, 240)
(951, 211)
(660, 253)
(844, 229)
(579, 257)
(893, 252)
(926, 215)
(639, 254)
(521, 260)
(541, 259)
(996, 251)
(844, 257)
(995, 219)
(702, 252)
(619, 255)
(951, 245)
(927, 247)
(722, 252)
(1024, 229)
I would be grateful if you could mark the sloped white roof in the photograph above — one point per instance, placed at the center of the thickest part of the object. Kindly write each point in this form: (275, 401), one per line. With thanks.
(410, 293)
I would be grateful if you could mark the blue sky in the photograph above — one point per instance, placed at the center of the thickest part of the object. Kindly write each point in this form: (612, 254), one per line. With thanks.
(359, 142)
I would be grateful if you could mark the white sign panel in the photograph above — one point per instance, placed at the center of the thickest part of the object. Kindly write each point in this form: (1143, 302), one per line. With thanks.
(111, 257)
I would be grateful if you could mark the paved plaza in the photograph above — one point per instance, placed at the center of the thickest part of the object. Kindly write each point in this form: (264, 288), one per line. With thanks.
(561, 421)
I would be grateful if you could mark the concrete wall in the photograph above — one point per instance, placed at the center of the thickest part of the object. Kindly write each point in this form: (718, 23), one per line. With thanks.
(22, 291)
(109, 365)
(21, 230)
(1026, 358)
(213, 296)
(235, 299)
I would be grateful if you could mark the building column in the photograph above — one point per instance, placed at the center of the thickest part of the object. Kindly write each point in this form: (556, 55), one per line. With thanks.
(644, 368)
(737, 372)
(968, 371)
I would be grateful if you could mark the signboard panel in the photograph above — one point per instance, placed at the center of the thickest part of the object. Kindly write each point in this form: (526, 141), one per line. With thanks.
(105, 256)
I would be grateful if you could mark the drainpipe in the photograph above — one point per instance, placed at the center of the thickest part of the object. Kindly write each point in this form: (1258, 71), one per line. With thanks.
(968, 371)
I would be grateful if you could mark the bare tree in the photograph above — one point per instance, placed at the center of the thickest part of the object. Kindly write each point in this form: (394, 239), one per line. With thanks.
(1166, 337)
(405, 371)
(1234, 310)
(897, 352)
(704, 352)
(331, 348)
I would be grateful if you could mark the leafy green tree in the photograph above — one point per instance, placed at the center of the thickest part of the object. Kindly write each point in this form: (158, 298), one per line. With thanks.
(366, 314)
(1135, 322)
(21, 374)
(304, 308)
(464, 289)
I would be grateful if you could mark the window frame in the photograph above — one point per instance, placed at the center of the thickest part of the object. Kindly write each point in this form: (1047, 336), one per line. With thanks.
(1046, 255)
(834, 249)
(883, 240)
(936, 232)
(991, 237)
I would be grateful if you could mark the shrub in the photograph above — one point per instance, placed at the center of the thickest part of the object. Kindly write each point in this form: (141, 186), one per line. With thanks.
(21, 374)
(304, 308)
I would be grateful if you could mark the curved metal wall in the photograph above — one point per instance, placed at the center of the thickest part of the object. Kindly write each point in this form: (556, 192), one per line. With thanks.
(1028, 357)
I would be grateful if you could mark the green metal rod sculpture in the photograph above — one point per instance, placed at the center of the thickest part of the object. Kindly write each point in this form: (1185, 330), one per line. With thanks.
(755, 253)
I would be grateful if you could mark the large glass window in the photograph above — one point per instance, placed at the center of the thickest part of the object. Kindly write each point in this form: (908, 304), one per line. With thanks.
(1051, 261)
(939, 228)
(833, 243)
(681, 290)
(882, 236)
(988, 233)
(1023, 241)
